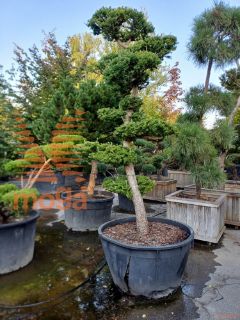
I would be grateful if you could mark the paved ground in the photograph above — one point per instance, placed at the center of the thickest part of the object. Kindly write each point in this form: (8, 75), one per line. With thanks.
(210, 289)
(211, 286)
(221, 295)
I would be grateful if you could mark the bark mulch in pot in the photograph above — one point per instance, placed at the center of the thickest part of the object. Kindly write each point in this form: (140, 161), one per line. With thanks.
(159, 234)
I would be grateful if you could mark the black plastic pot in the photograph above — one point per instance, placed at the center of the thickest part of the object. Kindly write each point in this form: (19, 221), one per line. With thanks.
(49, 186)
(17, 243)
(125, 203)
(99, 179)
(82, 214)
(152, 272)
(60, 179)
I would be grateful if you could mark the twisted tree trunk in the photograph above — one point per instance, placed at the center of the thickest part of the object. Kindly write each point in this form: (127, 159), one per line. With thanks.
(141, 217)
(92, 179)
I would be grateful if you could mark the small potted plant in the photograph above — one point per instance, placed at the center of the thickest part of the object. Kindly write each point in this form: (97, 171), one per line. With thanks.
(87, 208)
(17, 227)
(204, 212)
(120, 185)
(142, 258)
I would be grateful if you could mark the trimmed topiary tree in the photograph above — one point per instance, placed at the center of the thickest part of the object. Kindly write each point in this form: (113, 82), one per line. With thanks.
(128, 70)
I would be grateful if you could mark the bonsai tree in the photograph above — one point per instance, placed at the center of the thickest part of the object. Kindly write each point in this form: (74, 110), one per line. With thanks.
(69, 152)
(191, 146)
(128, 70)
(86, 150)
(51, 157)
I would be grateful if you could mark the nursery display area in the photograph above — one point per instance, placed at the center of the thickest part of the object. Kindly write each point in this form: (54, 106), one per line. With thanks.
(117, 201)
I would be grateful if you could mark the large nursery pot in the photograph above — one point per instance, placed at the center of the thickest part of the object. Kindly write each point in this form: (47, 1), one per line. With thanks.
(162, 188)
(152, 272)
(99, 179)
(204, 216)
(83, 213)
(49, 181)
(125, 203)
(17, 241)
(74, 179)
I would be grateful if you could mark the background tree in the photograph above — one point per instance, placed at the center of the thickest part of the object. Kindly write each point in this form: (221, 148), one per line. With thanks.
(215, 38)
(160, 97)
(230, 80)
(7, 121)
(46, 81)
(199, 103)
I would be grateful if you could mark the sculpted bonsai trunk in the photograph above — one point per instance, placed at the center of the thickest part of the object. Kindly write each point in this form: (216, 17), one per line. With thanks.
(92, 179)
(141, 217)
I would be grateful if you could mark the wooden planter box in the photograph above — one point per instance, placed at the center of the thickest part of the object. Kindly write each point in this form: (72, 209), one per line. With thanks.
(163, 187)
(232, 208)
(232, 186)
(206, 218)
(184, 178)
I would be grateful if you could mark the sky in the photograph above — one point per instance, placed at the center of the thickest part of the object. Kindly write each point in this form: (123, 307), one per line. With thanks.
(23, 22)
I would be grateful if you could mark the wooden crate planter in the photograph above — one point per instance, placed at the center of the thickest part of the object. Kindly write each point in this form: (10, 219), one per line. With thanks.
(232, 186)
(206, 218)
(184, 178)
(232, 208)
(163, 187)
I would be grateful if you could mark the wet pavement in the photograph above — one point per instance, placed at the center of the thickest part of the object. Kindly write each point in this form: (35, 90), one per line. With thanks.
(47, 289)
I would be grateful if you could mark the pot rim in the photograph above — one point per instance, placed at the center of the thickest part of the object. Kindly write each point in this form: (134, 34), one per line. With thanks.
(33, 215)
(107, 193)
(189, 239)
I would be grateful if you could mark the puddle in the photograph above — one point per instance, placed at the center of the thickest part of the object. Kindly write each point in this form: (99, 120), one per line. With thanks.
(62, 260)
(65, 259)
